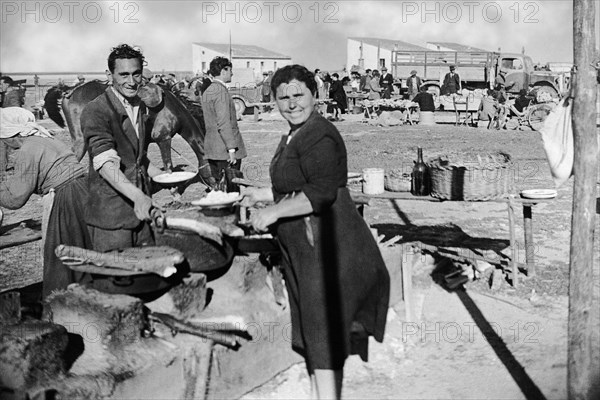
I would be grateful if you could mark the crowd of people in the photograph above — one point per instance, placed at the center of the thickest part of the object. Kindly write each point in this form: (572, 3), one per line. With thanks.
(336, 279)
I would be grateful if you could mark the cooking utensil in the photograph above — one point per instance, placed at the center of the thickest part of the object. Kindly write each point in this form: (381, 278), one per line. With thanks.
(203, 255)
(203, 229)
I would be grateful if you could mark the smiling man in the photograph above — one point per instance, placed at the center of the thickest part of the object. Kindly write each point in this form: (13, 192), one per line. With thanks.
(114, 126)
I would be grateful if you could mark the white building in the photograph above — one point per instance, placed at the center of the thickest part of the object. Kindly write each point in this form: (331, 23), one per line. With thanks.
(374, 53)
(242, 57)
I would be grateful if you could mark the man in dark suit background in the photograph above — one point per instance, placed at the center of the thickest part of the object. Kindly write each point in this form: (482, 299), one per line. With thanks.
(223, 145)
(451, 83)
(386, 81)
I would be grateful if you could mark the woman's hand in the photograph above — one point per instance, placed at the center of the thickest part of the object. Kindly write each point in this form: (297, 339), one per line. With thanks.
(262, 218)
(253, 195)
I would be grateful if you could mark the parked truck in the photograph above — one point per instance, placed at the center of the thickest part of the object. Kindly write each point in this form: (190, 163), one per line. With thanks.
(477, 70)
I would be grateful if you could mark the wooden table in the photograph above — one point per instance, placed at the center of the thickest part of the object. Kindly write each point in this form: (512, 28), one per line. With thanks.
(511, 202)
(356, 96)
(20, 233)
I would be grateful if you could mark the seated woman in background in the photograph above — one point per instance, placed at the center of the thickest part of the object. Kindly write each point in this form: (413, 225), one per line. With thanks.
(337, 282)
(45, 166)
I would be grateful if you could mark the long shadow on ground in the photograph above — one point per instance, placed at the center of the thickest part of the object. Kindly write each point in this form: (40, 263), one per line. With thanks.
(513, 366)
(448, 239)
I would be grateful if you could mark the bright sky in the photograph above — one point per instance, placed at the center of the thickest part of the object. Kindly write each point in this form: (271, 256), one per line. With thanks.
(52, 36)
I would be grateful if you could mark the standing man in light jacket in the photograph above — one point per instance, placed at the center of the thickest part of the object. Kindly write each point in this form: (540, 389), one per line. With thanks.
(223, 145)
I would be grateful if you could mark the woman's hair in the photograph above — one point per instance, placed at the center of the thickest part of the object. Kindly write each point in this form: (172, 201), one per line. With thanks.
(289, 73)
(375, 73)
(217, 64)
(124, 51)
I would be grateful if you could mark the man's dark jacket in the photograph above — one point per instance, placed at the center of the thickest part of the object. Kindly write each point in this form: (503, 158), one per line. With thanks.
(106, 126)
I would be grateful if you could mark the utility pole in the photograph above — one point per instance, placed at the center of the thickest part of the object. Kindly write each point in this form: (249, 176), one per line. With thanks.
(583, 364)
(230, 51)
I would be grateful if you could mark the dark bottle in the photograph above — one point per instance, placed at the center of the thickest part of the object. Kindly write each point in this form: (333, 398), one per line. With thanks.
(420, 182)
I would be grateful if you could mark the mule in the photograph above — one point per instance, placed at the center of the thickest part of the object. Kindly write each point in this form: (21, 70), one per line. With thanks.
(168, 116)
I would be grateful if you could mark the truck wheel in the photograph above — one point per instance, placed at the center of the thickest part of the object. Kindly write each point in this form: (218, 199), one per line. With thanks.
(240, 107)
(537, 115)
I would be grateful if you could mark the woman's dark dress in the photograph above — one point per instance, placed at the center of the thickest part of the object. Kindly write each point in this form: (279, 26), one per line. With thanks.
(334, 271)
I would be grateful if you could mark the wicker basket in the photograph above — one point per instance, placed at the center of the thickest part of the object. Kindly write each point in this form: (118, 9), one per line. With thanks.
(396, 181)
(476, 178)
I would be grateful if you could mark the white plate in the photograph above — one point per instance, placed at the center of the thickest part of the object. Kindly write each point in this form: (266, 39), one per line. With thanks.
(354, 175)
(174, 177)
(539, 193)
(217, 199)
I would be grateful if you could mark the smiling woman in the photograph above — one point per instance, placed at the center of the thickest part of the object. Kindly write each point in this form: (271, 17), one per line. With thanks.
(336, 279)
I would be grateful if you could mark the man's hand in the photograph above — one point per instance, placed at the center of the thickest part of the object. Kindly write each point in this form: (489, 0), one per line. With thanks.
(142, 205)
(232, 159)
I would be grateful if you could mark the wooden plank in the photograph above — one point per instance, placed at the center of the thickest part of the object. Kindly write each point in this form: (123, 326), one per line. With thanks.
(511, 229)
(20, 233)
(582, 366)
(529, 249)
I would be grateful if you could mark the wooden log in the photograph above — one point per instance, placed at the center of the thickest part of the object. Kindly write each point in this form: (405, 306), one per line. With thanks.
(103, 322)
(31, 354)
(582, 366)
(10, 307)
(186, 300)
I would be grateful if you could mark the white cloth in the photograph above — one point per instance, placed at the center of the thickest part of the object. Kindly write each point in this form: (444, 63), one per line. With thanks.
(19, 121)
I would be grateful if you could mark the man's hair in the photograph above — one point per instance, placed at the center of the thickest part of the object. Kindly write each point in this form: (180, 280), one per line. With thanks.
(317, 71)
(218, 64)
(6, 79)
(124, 51)
(289, 73)
(335, 74)
(367, 71)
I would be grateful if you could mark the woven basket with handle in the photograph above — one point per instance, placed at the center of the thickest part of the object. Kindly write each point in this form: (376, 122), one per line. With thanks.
(471, 177)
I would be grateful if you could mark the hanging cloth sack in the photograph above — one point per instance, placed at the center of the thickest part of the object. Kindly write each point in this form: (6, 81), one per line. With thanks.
(557, 136)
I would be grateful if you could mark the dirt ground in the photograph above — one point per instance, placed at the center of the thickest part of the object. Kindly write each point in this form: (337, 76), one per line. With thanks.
(504, 343)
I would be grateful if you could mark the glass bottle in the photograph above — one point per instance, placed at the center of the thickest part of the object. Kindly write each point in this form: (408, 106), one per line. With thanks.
(420, 182)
